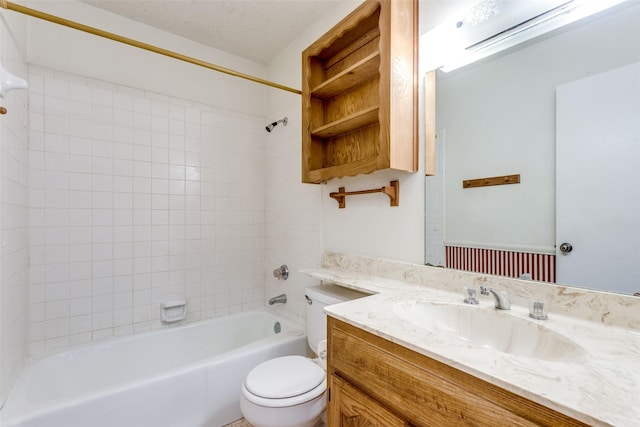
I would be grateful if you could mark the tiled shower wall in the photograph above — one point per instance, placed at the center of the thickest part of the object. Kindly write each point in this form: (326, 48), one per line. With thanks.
(137, 198)
(292, 217)
(14, 238)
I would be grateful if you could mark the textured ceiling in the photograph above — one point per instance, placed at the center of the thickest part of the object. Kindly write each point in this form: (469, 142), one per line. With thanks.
(253, 29)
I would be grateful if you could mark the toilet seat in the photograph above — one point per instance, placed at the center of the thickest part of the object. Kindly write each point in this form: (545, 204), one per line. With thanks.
(284, 381)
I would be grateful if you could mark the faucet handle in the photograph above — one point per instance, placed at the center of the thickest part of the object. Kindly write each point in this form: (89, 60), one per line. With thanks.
(470, 295)
(537, 310)
(281, 273)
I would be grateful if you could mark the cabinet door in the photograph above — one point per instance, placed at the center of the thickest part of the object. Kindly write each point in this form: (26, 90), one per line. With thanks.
(349, 407)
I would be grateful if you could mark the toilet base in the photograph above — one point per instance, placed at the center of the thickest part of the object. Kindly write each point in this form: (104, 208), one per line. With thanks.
(308, 414)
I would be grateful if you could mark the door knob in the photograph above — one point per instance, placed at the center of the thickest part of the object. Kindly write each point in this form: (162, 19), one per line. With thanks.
(565, 248)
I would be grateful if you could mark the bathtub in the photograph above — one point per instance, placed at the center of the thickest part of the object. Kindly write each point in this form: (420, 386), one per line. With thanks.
(186, 376)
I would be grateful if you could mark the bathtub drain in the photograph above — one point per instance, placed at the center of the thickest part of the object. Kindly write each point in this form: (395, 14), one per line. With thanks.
(277, 328)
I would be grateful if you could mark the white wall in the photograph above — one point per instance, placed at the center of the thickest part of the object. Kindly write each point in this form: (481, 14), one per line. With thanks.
(507, 106)
(14, 215)
(293, 211)
(368, 226)
(65, 49)
(301, 219)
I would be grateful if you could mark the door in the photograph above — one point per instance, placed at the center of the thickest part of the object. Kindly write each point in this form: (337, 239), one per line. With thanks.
(598, 181)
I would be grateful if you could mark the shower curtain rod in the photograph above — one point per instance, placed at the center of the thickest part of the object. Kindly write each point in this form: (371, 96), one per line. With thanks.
(115, 37)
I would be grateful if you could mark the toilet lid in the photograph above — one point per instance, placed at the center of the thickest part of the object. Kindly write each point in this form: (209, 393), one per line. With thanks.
(284, 377)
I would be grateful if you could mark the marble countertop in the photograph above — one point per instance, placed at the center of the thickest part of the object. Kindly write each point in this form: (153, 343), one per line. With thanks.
(601, 387)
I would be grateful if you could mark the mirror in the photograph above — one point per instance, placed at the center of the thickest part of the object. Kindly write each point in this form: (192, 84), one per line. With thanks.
(497, 117)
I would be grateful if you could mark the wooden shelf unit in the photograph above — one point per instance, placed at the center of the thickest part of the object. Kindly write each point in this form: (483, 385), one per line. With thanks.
(351, 78)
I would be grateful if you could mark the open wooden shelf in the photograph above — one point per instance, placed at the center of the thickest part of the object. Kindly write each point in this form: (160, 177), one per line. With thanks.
(350, 80)
(347, 169)
(353, 76)
(346, 124)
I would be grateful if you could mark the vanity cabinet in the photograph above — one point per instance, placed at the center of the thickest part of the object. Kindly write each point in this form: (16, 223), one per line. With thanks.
(374, 382)
(360, 93)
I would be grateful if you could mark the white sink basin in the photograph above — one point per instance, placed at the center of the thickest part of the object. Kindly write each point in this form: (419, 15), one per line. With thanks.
(490, 328)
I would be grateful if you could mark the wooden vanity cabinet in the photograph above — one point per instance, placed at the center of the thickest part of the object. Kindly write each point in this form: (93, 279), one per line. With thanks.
(374, 382)
(360, 93)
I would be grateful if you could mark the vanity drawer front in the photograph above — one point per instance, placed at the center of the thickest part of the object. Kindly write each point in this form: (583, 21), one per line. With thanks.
(357, 409)
(425, 391)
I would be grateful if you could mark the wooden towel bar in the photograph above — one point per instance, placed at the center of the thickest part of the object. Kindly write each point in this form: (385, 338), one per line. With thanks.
(393, 191)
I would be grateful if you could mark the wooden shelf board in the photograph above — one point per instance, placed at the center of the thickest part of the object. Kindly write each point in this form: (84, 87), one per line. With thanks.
(350, 169)
(348, 123)
(353, 76)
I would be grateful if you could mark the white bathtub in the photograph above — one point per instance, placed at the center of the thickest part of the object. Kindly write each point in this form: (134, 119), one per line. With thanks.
(188, 376)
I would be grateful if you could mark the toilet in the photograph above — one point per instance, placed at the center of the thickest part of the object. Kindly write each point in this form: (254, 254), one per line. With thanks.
(289, 391)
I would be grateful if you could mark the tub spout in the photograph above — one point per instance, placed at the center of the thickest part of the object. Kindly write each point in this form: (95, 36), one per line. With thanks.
(280, 299)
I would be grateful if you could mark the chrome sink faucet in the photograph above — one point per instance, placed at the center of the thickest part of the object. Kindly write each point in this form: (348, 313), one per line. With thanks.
(502, 302)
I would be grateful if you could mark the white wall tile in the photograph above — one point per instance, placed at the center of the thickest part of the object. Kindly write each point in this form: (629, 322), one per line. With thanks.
(80, 270)
(102, 334)
(79, 146)
(122, 149)
(79, 339)
(56, 310)
(56, 328)
(102, 269)
(79, 307)
(79, 181)
(130, 212)
(79, 324)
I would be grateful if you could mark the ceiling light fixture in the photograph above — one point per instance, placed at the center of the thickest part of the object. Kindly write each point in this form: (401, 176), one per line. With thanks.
(555, 18)
(481, 12)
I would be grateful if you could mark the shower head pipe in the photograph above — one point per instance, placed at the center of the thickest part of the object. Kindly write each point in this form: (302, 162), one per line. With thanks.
(270, 126)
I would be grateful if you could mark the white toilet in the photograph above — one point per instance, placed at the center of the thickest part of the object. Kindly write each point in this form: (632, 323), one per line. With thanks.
(289, 391)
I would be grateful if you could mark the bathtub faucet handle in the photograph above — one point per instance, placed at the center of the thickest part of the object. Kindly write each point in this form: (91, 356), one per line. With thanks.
(281, 273)
(280, 299)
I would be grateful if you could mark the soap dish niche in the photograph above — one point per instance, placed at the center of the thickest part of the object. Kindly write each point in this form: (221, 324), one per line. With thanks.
(173, 311)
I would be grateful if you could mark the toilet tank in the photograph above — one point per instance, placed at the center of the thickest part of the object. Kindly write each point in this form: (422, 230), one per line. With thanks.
(318, 297)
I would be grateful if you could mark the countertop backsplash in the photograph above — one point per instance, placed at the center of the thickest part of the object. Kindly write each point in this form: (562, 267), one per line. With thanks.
(597, 306)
